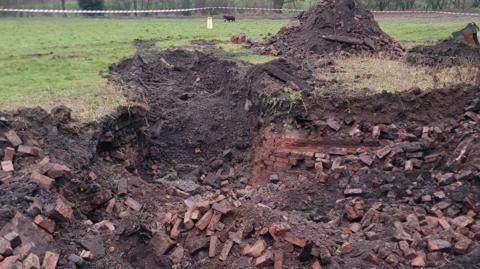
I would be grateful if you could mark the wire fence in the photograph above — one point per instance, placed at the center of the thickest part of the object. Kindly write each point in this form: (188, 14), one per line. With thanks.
(212, 9)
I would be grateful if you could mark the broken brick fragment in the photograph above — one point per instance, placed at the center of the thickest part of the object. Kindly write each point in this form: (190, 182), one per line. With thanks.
(31, 262)
(161, 243)
(438, 244)
(354, 210)
(7, 166)
(45, 223)
(10, 263)
(8, 154)
(130, 202)
(212, 250)
(202, 224)
(294, 240)
(226, 250)
(381, 153)
(461, 247)
(265, 259)
(13, 138)
(56, 170)
(41, 180)
(214, 221)
(278, 259)
(316, 265)
(50, 260)
(256, 249)
(61, 211)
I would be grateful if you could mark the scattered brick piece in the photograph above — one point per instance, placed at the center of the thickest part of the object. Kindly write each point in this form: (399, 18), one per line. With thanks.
(104, 225)
(42, 180)
(381, 153)
(62, 211)
(462, 221)
(175, 232)
(8, 154)
(31, 262)
(376, 131)
(5, 247)
(50, 260)
(42, 166)
(255, 250)
(130, 202)
(291, 238)
(25, 150)
(353, 191)
(203, 223)
(22, 251)
(177, 254)
(438, 244)
(418, 261)
(14, 239)
(226, 250)
(45, 223)
(222, 208)
(265, 259)
(278, 229)
(278, 259)
(461, 247)
(7, 166)
(212, 250)
(9, 263)
(346, 248)
(122, 186)
(366, 159)
(316, 265)
(354, 210)
(13, 138)
(214, 221)
(110, 206)
(56, 170)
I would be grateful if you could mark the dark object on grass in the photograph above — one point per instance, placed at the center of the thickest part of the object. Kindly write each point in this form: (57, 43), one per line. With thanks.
(227, 18)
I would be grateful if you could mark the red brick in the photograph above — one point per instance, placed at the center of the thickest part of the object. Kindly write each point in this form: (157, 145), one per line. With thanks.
(175, 232)
(110, 206)
(8, 154)
(9, 263)
(278, 259)
(381, 153)
(212, 250)
(255, 250)
(26, 150)
(130, 202)
(376, 131)
(7, 166)
(87, 255)
(50, 260)
(461, 247)
(291, 238)
(418, 261)
(62, 211)
(316, 265)
(31, 262)
(14, 239)
(346, 248)
(265, 259)
(13, 138)
(226, 250)
(45, 223)
(58, 170)
(202, 224)
(438, 244)
(214, 221)
(43, 181)
(42, 166)
(278, 229)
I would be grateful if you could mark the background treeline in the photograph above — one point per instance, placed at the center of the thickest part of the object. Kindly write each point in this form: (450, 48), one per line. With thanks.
(300, 4)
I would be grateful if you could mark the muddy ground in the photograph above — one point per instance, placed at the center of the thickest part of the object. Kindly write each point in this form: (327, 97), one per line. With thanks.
(219, 164)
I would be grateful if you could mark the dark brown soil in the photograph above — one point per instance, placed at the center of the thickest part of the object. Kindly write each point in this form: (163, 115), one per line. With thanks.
(446, 52)
(331, 27)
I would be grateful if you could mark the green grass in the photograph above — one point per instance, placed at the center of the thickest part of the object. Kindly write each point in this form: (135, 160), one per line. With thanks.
(415, 30)
(53, 61)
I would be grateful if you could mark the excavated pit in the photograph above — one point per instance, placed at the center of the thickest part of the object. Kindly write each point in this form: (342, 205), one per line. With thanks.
(343, 181)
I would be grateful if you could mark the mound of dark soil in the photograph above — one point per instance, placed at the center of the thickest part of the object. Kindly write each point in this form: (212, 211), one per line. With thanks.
(332, 26)
(447, 52)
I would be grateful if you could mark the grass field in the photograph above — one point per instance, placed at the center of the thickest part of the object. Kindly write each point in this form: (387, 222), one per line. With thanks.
(61, 61)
